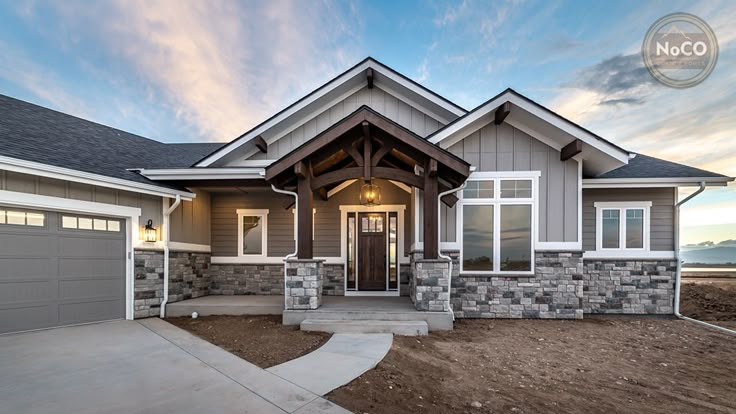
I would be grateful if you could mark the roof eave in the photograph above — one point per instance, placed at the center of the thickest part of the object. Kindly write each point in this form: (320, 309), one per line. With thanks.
(656, 182)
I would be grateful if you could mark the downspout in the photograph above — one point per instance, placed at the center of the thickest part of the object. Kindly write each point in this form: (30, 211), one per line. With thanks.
(678, 274)
(167, 213)
(439, 244)
(296, 227)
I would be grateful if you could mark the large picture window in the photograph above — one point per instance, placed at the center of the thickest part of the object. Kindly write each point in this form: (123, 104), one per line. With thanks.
(497, 216)
(252, 227)
(622, 225)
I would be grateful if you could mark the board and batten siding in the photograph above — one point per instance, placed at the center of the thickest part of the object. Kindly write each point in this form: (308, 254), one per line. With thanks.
(280, 231)
(505, 148)
(662, 213)
(377, 99)
(151, 206)
(190, 222)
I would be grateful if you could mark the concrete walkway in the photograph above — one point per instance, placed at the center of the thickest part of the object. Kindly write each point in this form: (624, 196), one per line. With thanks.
(149, 366)
(342, 359)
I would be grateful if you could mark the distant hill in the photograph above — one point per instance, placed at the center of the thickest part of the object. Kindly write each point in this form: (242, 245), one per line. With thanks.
(709, 255)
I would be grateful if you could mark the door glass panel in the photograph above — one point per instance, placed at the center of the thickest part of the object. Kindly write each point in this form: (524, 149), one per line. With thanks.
(35, 219)
(113, 225)
(85, 223)
(351, 251)
(100, 224)
(635, 229)
(69, 222)
(478, 238)
(2, 216)
(393, 265)
(252, 235)
(516, 237)
(16, 217)
(372, 224)
(610, 227)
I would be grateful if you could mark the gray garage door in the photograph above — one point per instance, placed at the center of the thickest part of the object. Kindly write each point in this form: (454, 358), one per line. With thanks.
(59, 269)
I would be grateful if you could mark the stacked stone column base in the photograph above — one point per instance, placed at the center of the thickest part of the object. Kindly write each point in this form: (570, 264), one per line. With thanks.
(304, 278)
(430, 284)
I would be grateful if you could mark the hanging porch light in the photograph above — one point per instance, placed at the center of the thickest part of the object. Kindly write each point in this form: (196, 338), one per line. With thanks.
(370, 194)
(149, 234)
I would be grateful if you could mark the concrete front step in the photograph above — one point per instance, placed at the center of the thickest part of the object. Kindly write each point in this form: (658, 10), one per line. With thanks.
(404, 328)
(437, 321)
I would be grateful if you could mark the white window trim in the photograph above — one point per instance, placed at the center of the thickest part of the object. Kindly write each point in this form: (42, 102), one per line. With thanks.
(622, 206)
(264, 234)
(497, 201)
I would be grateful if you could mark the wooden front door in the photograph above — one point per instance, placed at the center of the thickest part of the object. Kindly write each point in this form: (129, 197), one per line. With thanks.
(372, 251)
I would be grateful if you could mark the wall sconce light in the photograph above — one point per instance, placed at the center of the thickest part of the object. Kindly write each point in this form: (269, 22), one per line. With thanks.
(370, 195)
(149, 233)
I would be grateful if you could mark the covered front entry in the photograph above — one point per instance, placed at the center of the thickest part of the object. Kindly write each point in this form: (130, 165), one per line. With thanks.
(373, 251)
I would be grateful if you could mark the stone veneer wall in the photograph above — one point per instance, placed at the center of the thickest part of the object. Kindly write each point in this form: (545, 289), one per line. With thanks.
(333, 281)
(188, 275)
(555, 291)
(304, 283)
(246, 279)
(149, 282)
(629, 286)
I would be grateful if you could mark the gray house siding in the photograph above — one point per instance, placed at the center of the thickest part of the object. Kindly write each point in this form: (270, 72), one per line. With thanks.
(662, 220)
(379, 100)
(150, 205)
(190, 222)
(280, 231)
(505, 148)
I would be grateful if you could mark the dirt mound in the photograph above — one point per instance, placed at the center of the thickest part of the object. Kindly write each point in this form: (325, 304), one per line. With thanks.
(708, 302)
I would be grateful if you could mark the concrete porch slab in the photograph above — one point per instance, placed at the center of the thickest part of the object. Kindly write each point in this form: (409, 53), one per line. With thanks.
(228, 305)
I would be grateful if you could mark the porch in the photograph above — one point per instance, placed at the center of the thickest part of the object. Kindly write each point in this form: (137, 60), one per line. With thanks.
(337, 313)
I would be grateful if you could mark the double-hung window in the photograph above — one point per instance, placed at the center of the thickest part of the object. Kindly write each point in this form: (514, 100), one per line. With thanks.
(622, 226)
(252, 232)
(497, 224)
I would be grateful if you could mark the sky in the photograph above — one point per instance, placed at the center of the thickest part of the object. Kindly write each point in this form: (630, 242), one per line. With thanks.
(192, 71)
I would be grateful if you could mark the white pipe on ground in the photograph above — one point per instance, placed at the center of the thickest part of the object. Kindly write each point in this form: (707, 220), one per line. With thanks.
(296, 227)
(439, 243)
(166, 235)
(678, 272)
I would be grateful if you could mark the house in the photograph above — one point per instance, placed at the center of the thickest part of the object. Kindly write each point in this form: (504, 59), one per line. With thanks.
(371, 185)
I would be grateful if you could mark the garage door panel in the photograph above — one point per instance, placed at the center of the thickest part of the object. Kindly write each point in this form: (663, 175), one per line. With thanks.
(27, 317)
(80, 312)
(91, 267)
(26, 245)
(80, 246)
(52, 277)
(19, 292)
(12, 268)
(86, 289)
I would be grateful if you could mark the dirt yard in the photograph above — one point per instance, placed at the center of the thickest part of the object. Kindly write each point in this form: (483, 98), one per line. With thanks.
(527, 366)
(709, 300)
(261, 340)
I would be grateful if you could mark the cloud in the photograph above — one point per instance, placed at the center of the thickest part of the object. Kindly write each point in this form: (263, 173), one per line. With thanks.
(619, 79)
(219, 66)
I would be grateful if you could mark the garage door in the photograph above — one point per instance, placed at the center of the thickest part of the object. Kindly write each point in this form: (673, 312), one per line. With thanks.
(59, 269)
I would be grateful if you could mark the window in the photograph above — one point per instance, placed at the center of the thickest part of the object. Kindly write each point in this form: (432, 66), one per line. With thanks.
(252, 226)
(87, 223)
(622, 225)
(393, 237)
(497, 216)
(22, 218)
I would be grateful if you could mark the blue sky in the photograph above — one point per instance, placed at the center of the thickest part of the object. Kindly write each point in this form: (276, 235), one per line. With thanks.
(181, 71)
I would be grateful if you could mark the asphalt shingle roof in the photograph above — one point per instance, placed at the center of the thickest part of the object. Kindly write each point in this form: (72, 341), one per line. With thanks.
(34, 133)
(644, 166)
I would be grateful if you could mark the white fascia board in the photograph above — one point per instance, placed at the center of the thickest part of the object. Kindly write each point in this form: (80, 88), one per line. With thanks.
(655, 182)
(66, 204)
(204, 173)
(452, 133)
(67, 174)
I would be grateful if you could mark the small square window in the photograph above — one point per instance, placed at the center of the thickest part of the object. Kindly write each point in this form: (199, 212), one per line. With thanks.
(35, 219)
(85, 223)
(16, 217)
(69, 222)
(516, 189)
(100, 224)
(478, 189)
(113, 225)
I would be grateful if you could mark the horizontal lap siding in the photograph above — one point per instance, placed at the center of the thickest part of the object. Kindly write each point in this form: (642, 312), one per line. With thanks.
(377, 99)
(505, 148)
(150, 206)
(662, 220)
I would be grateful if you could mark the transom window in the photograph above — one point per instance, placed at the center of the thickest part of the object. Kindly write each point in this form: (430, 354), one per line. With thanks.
(497, 216)
(622, 225)
(22, 218)
(252, 231)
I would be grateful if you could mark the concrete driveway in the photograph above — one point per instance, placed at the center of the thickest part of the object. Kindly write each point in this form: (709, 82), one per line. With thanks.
(148, 366)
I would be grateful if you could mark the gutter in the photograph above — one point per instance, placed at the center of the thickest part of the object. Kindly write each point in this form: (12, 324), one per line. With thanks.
(296, 227)
(439, 244)
(678, 274)
(167, 213)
